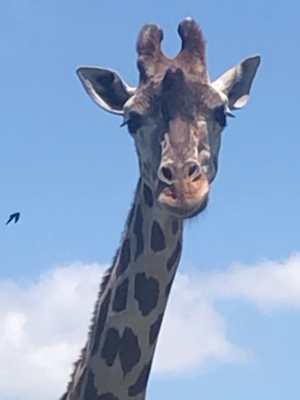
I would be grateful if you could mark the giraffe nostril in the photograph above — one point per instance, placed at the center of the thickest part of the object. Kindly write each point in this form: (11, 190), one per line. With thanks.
(167, 173)
(192, 170)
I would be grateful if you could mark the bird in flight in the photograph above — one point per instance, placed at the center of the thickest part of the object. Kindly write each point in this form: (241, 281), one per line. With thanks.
(14, 216)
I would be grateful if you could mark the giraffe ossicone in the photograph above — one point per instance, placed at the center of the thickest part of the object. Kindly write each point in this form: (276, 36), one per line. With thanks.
(175, 116)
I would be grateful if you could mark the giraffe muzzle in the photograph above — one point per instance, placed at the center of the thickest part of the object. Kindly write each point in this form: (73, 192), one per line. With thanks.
(184, 198)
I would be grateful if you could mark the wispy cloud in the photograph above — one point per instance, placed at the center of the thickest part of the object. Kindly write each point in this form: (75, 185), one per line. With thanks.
(43, 324)
(268, 284)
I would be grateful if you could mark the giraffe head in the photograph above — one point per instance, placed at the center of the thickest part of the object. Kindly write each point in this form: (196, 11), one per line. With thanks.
(175, 115)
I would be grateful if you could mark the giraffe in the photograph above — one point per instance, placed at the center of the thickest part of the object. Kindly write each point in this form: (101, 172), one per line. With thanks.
(175, 117)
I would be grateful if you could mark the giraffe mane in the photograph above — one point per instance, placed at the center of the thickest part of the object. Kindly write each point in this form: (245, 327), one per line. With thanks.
(103, 286)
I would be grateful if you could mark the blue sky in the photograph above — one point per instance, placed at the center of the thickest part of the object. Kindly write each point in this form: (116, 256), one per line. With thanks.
(71, 171)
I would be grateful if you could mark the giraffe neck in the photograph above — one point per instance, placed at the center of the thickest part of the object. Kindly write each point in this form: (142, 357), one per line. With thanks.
(117, 359)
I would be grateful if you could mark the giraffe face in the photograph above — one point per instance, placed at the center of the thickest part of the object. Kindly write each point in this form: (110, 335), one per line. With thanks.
(175, 115)
(176, 125)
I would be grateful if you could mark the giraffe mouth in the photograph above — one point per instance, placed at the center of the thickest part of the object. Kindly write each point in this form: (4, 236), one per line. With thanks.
(187, 212)
(184, 199)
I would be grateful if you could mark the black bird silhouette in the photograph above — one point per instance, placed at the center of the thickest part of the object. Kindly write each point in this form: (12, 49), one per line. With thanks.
(14, 216)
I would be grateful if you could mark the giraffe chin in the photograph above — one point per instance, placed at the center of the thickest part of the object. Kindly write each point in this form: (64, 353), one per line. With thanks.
(186, 212)
(185, 200)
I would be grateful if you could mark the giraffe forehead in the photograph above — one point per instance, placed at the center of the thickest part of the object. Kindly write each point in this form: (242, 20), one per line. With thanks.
(179, 96)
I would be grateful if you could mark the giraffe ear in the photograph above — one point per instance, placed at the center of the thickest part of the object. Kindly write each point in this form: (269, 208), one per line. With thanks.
(236, 82)
(105, 87)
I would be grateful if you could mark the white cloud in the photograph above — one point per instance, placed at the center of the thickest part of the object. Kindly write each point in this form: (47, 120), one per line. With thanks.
(193, 333)
(43, 324)
(268, 284)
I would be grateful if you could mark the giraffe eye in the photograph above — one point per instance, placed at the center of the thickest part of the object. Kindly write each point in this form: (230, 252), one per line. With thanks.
(133, 122)
(220, 116)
